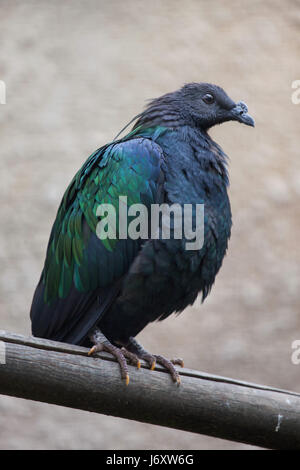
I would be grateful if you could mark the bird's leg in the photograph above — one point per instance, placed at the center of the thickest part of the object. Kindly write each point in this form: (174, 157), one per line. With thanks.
(134, 347)
(101, 343)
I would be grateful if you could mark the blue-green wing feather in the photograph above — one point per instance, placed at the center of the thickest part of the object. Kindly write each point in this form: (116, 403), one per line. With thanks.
(79, 267)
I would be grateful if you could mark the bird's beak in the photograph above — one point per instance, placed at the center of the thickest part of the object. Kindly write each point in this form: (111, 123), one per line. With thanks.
(240, 113)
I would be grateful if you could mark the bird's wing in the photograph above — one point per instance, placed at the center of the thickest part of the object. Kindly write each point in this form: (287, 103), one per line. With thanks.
(82, 273)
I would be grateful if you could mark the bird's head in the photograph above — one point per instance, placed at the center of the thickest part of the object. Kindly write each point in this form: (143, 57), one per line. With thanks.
(200, 105)
(206, 105)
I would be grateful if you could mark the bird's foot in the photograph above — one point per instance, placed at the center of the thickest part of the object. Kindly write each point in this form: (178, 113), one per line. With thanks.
(153, 359)
(101, 343)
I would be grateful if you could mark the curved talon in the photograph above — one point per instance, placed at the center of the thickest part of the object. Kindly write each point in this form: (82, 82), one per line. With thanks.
(127, 379)
(149, 358)
(178, 361)
(92, 351)
(95, 348)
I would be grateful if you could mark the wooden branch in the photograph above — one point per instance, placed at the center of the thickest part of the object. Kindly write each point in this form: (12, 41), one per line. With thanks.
(62, 374)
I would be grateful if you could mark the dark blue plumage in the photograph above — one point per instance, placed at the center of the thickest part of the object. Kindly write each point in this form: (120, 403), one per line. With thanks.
(120, 286)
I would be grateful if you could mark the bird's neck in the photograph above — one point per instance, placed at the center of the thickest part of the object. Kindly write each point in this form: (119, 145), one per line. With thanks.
(192, 154)
(163, 112)
(184, 143)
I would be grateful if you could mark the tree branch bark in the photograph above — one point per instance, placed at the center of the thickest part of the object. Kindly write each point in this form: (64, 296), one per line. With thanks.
(62, 374)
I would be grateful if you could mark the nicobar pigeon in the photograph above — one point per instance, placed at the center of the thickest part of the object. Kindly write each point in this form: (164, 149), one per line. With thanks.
(101, 292)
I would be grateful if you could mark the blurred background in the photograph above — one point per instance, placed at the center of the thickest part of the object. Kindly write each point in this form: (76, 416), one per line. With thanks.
(76, 73)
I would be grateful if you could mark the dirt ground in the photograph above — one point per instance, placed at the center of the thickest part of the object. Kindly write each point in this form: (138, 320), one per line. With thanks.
(75, 73)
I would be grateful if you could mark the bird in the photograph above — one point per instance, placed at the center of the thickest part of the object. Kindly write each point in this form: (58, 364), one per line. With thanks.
(102, 292)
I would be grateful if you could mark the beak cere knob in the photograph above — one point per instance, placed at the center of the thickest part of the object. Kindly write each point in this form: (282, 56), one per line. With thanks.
(240, 114)
(243, 106)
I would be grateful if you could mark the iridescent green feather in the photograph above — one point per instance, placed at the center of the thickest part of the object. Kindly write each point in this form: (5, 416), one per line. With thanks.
(115, 170)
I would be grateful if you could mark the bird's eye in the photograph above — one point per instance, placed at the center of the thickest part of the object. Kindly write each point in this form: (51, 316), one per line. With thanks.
(208, 98)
